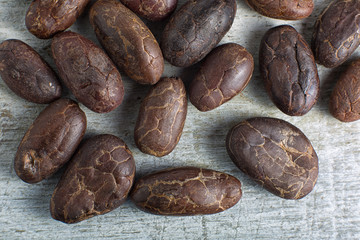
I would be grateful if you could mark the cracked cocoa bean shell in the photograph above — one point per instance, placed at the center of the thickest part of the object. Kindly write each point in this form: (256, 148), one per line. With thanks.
(97, 180)
(88, 72)
(194, 30)
(26, 73)
(344, 100)
(186, 191)
(50, 141)
(161, 117)
(128, 41)
(276, 154)
(46, 18)
(286, 10)
(336, 33)
(153, 10)
(289, 71)
(224, 73)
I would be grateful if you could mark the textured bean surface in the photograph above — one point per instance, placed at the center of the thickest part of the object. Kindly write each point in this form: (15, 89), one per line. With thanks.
(283, 9)
(127, 40)
(344, 100)
(336, 33)
(97, 180)
(154, 10)
(275, 154)
(26, 73)
(161, 117)
(88, 72)
(289, 71)
(186, 191)
(50, 141)
(195, 29)
(224, 73)
(45, 18)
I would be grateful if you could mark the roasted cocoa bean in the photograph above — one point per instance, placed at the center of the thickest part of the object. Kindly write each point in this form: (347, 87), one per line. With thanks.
(289, 71)
(287, 10)
(186, 191)
(88, 72)
(97, 180)
(336, 34)
(153, 10)
(276, 154)
(344, 100)
(161, 117)
(50, 141)
(128, 41)
(223, 74)
(45, 18)
(196, 29)
(26, 73)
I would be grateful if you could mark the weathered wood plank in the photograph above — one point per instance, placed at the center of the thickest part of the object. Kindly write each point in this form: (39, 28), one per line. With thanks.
(331, 211)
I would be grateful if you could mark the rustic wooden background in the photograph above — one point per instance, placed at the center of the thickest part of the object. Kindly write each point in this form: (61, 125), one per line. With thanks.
(330, 211)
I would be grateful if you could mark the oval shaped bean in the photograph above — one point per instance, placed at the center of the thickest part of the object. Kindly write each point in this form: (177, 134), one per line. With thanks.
(88, 72)
(275, 154)
(97, 180)
(287, 10)
(45, 18)
(50, 141)
(195, 29)
(153, 10)
(186, 191)
(130, 44)
(344, 100)
(336, 33)
(26, 73)
(224, 73)
(289, 71)
(161, 117)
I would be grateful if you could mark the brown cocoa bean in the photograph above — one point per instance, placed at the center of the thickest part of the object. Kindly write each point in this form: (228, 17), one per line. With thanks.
(344, 100)
(45, 18)
(50, 141)
(280, 9)
(88, 72)
(223, 74)
(186, 191)
(276, 154)
(161, 117)
(26, 73)
(336, 34)
(97, 180)
(128, 41)
(289, 71)
(196, 29)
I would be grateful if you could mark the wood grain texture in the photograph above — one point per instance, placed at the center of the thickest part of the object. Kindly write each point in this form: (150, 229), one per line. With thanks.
(330, 211)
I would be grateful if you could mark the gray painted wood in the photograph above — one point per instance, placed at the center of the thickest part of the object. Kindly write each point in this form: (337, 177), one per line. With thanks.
(331, 211)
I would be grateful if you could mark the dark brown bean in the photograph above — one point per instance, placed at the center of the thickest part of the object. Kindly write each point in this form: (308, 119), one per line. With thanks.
(50, 141)
(161, 117)
(88, 72)
(224, 73)
(130, 44)
(289, 71)
(26, 73)
(97, 180)
(344, 100)
(336, 33)
(46, 18)
(287, 10)
(195, 29)
(153, 10)
(186, 191)
(276, 154)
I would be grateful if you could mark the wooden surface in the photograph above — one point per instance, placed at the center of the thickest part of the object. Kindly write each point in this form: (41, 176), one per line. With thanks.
(330, 211)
